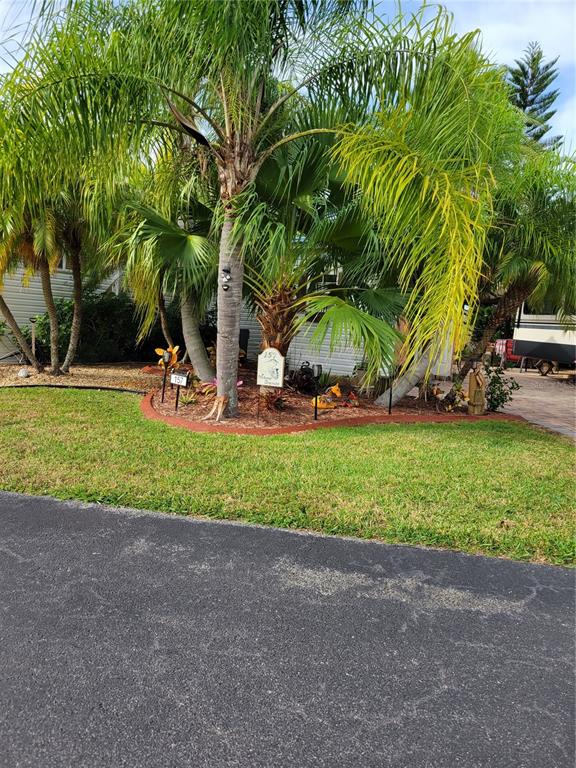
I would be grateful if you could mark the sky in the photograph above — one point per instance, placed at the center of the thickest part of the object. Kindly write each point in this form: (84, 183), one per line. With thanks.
(507, 26)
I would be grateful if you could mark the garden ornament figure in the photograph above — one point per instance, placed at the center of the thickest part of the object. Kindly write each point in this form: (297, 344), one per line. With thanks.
(476, 392)
(304, 380)
(334, 397)
(165, 361)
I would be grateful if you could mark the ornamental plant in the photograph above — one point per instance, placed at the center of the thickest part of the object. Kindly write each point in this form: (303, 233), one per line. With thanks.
(499, 388)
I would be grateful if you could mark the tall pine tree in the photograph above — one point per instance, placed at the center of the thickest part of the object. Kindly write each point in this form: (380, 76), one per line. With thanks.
(530, 81)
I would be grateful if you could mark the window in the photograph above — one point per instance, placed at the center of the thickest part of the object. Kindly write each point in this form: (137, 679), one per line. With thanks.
(63, 265)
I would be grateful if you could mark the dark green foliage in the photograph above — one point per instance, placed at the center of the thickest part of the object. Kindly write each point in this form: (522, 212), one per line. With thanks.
(485, 313)
(530, 81)
(109, 330)
(64, 308)
(499, 388)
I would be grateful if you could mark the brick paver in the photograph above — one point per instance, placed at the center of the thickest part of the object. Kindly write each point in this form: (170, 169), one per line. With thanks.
(548, 401)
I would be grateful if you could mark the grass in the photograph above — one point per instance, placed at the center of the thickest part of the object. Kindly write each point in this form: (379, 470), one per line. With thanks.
(500, 488)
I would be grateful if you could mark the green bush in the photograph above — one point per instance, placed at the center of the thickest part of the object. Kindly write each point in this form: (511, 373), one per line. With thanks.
(109, 330)
(64, 312)
(499, 388)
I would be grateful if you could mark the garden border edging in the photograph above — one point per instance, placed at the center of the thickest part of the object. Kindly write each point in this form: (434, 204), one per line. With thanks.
(92, 387)
(148, 410)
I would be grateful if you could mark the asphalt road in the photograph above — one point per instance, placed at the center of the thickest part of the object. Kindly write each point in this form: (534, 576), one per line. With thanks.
(148, 641)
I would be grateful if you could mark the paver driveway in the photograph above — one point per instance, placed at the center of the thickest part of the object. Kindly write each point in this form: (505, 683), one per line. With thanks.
(148, 641)
(547, 401)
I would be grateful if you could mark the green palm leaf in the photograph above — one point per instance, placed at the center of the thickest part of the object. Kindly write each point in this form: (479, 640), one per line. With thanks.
(347, 325)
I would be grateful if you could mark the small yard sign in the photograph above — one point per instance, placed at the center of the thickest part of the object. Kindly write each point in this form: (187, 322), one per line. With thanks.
(180, 379)
(270, 368)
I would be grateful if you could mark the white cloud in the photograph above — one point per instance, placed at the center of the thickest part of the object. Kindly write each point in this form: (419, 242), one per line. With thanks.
(508, 26)
(564, 123)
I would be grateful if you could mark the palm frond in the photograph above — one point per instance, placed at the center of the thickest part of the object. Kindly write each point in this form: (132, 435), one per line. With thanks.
(425, 167)
(347, 325)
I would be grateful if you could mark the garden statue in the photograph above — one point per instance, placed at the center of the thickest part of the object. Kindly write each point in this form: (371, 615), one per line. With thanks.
(476, 392)
(338, 396)
(303, 379)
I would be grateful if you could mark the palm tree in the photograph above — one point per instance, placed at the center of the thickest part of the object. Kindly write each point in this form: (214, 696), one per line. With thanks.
(38, 238)
(530, 253)
(80, 246)
(160, 258)
(165, 244)
(226, 74)
(299, 226)
(303, 227)
(32, 243)
(48, 211)
(21, 340)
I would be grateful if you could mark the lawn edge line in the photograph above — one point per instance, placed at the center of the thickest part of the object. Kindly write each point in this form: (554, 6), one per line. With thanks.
(186, 518)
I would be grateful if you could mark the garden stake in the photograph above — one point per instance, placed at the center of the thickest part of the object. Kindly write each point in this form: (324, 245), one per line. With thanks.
(317, 371)
(164, 383)
(166, 358)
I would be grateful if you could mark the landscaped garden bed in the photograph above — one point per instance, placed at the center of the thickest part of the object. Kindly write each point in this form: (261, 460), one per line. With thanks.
(287, 410)
(258, 414)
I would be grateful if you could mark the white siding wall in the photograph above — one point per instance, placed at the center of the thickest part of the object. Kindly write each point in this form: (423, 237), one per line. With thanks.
(27, 301)
(341, 362)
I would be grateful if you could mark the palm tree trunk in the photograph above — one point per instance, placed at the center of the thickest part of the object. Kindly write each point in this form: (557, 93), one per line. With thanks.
(164, 320)
(507, 306)
(77, 311)
(52, 316)
(194, 344)
(18, 335)
(406, 382)
(229, 308)
(276, 316)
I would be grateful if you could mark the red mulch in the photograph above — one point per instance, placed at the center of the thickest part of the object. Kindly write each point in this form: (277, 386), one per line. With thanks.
(256, 419)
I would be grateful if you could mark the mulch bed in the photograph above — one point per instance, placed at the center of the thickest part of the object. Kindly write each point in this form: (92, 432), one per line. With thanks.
(123, 376)
(298, 415)
(254, 419)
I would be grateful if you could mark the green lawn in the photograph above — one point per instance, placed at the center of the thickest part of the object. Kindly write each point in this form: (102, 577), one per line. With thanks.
(500, 488)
